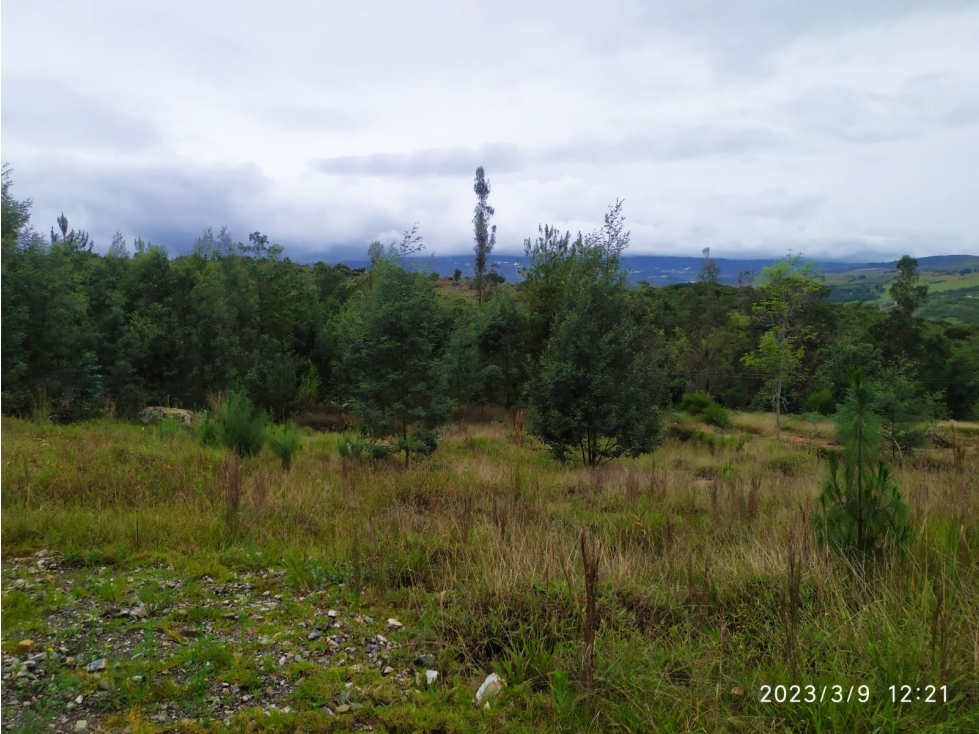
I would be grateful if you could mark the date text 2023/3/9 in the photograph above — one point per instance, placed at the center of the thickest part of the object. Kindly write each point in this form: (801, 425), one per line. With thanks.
(846, 694)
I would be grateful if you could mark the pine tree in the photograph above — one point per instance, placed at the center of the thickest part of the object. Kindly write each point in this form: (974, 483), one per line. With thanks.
(392, 338)
(596, 390)
(861, 505)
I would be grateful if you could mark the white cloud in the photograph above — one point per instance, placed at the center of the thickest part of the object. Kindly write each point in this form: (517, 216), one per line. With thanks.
(748, 127)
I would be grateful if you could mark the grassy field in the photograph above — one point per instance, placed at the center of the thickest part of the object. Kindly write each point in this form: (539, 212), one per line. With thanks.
(936, 282)
(314, 600)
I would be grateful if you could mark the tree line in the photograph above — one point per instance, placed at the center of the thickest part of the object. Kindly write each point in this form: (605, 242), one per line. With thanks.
(595, 362)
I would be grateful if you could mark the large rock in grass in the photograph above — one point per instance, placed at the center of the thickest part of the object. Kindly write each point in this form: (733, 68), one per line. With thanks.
(158, 414)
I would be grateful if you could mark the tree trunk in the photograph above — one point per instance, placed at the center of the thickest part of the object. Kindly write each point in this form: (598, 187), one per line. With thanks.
(783, 335)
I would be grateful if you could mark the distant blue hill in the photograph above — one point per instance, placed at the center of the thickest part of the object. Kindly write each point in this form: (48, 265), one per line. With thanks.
(661, 269)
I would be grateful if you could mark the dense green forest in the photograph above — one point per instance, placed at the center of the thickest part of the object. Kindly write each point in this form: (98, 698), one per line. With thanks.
(86, 334)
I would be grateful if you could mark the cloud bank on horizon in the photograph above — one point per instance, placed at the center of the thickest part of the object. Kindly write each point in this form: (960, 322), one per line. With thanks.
(838, 129)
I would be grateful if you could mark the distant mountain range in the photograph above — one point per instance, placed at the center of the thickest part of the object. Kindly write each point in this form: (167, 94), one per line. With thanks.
(665, 270)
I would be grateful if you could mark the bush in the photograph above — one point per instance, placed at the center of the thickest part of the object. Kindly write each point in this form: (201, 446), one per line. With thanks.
(822, 402)
(695, 403)
(715, 415)
(360, 449)
(703, 405)
(734, 399)
(681, 432)
(207, 431)
(284, 443)
(241, 427)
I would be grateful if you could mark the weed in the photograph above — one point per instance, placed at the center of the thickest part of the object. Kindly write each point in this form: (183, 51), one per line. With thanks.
(715, 415)
(589, 561)
(231, 479)
(20, 612)
(284, 443)
(529, 659)
(171, 429)
(206, 430)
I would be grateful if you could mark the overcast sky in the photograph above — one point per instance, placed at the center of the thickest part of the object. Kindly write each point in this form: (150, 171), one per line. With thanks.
(838, 128)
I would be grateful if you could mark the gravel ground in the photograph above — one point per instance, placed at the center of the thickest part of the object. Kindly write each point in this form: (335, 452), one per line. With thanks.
(103, 649)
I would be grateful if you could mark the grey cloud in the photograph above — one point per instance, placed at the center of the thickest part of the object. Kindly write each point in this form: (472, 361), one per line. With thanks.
(47, 112)
(502, 157)
(849, 115)
(921, 104)
(167, 205)
(783, 208)
(963, 116)
(507, 158)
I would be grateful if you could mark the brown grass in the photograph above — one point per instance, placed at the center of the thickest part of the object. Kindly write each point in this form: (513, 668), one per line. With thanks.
(706, 552)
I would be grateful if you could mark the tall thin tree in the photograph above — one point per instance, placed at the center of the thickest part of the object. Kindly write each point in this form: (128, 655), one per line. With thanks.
(485, 235)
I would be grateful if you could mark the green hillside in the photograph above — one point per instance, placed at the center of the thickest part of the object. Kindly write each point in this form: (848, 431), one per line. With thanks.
(953, 294)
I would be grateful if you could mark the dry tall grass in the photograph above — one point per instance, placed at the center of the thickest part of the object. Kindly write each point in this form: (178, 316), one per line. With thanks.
(710, 578)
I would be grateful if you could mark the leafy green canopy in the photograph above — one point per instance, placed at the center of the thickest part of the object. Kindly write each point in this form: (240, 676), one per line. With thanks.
(391, 339)
(86, 335)
(596, 390)
(787, 289)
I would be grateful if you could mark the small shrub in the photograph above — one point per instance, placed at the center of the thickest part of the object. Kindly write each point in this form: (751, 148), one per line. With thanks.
(705, 439)
(681, 432)
(715, 415)
(242, 427)
(862, 508)
(309, 387)
(207, 430)
(284, 443)
(695, 403)
(360, 449)
(822, 402)
(529, 660)
(734, 399)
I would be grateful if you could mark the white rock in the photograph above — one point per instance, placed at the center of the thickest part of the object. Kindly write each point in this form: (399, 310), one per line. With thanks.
(490, 689)
(81, 725)
(433, 675)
